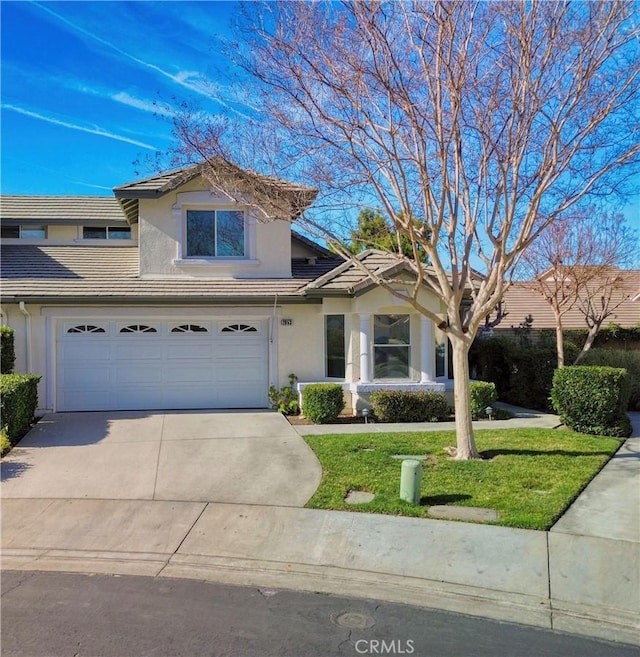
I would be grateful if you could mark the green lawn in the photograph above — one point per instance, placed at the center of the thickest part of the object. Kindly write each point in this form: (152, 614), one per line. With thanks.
(530, 476)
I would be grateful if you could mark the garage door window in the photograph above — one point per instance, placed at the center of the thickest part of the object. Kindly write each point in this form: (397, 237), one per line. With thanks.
(239, 328)
(85, 328)
(189, 328)
(138, 328)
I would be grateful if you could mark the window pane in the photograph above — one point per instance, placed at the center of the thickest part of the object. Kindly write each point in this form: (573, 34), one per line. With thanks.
(230, 227)
(391, 362)
(120, 233)
(10, 231)
(334, 339)
(391, 329)
(33, 232)
(200, 237)
(94, 233)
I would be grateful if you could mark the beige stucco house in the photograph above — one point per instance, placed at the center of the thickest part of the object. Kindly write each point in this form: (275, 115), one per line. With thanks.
(168, 295)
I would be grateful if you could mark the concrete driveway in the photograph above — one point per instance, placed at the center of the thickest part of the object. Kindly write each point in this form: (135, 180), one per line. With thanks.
(194, 456)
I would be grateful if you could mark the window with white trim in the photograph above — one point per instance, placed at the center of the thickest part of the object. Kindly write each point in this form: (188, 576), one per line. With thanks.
(391, 346)
(334, 346)
(215, 234)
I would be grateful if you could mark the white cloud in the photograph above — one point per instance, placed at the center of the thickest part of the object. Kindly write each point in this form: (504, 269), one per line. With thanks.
(95, 130)
(193, 81)
(138, 103)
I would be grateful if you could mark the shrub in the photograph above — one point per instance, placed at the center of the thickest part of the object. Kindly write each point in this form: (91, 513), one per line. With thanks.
(18, 403)
(322, 402)
(483, 394)
(592, 399)
(5, 445)
(523, 375)
(629, 360)
(7, 350)
(405, 406)
(285, 400)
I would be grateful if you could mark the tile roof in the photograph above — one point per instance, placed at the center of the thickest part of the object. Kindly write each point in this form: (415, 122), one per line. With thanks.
(521, 300)
(162, 183)
(60, 209)
(349, 278)
(89, 272)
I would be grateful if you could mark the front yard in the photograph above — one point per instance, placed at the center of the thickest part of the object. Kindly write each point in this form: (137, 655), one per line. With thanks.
(530, 476)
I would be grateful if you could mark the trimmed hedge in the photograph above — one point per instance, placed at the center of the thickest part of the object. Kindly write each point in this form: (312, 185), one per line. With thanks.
(592, 399)
(7, 350)
(406, 406)
(322, 402)
(18, 403)
(629, 360)
(523, 375)
(483, 394)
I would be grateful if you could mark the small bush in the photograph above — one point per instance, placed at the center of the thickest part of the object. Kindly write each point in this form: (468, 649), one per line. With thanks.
(5, 445)
(322, 402)
(592, 399)
(7, 350)
(18, 403)
(405, 406)
(285, 400)
(629, 360)
(483, 394)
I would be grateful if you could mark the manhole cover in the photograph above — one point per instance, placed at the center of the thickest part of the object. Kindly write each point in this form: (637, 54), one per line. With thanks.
(354, 620)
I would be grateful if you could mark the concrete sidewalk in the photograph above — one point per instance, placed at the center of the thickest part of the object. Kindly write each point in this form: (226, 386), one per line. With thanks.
(567, 579)
(522, 419)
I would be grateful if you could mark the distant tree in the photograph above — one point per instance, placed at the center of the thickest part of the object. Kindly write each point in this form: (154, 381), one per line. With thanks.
(489, 120)
(375, 232)
(597, 302)
(574, 264)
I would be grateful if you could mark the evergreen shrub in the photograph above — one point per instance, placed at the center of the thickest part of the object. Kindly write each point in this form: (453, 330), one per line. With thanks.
(408, 406)
(322, 402)
(592, 399)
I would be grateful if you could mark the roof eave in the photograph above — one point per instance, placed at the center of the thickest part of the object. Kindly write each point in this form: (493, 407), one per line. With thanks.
(265, 300)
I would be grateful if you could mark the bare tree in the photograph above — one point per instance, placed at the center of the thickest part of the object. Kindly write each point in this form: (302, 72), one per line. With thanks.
(483, 121)
(597, 302)
(573, 264)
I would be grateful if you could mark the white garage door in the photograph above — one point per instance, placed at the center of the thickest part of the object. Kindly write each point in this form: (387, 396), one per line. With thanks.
(146, 364)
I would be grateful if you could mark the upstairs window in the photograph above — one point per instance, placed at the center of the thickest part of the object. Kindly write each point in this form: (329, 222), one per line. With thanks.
(106, 233)
(24, 232)
(215, 234)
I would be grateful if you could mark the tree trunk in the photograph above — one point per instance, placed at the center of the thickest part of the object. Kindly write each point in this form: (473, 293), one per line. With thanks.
(559, 341)
(591, 336)
(465, 443)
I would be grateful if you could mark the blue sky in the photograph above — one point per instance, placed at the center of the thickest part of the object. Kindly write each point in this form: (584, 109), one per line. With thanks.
(79, 83)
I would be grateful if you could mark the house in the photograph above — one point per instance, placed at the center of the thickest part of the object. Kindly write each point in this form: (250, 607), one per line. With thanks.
(522, 300)
(170, 295)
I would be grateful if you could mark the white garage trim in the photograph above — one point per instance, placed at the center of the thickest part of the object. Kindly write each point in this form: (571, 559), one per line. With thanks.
(142, 361)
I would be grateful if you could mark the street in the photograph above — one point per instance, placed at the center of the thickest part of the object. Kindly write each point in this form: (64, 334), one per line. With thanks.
(75, 615)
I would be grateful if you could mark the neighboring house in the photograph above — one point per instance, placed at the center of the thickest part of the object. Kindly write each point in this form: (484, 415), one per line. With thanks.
(522, 300)
(169, 296)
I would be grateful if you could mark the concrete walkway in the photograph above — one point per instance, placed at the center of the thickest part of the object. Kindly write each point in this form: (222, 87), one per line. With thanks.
(522, 419)
(569, 581)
